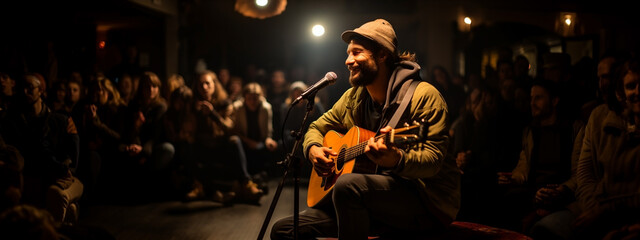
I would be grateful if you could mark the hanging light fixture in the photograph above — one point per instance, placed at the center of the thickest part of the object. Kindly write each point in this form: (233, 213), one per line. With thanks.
(260, 9)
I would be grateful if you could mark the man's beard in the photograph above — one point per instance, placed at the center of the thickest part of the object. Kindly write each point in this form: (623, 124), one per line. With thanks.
(542, 113)
(366, 75)
(31, 99)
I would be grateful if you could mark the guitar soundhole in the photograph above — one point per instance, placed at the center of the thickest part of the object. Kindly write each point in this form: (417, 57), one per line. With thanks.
(340, 159)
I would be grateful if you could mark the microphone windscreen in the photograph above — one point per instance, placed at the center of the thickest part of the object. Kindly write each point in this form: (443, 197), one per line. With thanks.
(331, 76)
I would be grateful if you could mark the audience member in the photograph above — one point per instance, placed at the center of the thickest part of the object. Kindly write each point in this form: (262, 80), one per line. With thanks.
(7, 85)
(149, 154)
(292, 117)
(558, 206)
(49, 143)
(604, 93)
(76, 76)
(179, 120)
(453, 94)
(219, 155)
(235, 88)
(58, 96)
(607, 170)
(180, 130)
(276, 92)
(476, 148)
(28, 222)
(100, 121)
(504, 70)
(74, 93)
(173, 82)
(127, 87)
(521, 72)
(557, 68)
(512, 115)
(224, 75)
(253, 124)
(545, 158)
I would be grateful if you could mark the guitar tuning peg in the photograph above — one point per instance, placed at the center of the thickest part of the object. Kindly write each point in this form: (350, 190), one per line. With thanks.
(406, 124)
(416, 123)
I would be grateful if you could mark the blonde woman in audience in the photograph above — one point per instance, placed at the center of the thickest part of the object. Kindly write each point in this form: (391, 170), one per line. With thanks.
(148, 153)
(100, 121)
(219, 153)
(173, 82)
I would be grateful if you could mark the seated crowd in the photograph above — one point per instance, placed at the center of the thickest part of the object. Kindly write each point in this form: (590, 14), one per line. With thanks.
(553, 157)
(93, 139)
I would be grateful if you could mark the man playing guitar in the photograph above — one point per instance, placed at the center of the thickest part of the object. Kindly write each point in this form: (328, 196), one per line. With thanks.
(415, 189)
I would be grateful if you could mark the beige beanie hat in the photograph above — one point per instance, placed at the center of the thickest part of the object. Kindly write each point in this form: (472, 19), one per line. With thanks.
(379, 31)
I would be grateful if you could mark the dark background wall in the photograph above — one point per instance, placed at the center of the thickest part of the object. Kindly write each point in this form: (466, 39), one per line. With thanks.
(172, 35)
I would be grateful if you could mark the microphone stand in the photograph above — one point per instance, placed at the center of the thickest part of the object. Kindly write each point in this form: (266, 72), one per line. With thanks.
(292, 162)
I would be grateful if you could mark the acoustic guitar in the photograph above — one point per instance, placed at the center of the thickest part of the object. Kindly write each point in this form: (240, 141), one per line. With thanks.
(351, 158)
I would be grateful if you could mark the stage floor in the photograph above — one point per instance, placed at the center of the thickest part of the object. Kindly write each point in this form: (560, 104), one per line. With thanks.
(162, 220)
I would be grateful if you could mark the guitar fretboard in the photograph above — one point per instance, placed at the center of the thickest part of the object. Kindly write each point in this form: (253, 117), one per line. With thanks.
(357, 150)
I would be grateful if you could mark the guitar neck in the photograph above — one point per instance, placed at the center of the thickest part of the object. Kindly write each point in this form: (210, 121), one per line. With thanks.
(358, 149)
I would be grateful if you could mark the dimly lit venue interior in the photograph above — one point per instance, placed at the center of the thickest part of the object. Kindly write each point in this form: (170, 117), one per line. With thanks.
(304, 119)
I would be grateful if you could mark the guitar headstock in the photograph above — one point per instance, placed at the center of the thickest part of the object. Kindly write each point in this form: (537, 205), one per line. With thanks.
(409, 134)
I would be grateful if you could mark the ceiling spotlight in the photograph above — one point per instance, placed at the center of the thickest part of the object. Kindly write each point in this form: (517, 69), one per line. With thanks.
(260, 9)
(262, 3)
(317, 30)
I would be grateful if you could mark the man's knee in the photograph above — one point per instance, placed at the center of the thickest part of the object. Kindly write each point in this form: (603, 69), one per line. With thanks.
(58, 195)
(282, 229)
(163, 154)
(166, 149)
(347, 185)
(312, 223)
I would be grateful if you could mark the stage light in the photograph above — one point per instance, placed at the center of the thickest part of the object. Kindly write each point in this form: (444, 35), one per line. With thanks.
(567, 20)
(467, 20)
(565, 24)
(317, 30)
(260, 9)
(262, 3)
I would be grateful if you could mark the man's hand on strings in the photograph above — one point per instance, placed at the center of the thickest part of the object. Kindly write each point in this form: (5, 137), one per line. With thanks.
(319, 157)
(381, 153)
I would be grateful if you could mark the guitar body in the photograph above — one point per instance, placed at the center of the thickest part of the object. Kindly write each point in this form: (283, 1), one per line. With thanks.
(320, 187)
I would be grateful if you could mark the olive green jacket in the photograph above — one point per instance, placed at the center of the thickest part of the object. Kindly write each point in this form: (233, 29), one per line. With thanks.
(426, 163)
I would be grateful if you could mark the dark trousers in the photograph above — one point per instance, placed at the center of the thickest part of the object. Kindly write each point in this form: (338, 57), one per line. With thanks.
(224, 162)
(364, 205)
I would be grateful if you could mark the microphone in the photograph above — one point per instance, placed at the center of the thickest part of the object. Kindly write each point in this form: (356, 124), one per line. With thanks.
(328, 79)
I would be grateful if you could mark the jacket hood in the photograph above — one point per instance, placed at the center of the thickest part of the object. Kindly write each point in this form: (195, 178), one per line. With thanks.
(399, 81)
